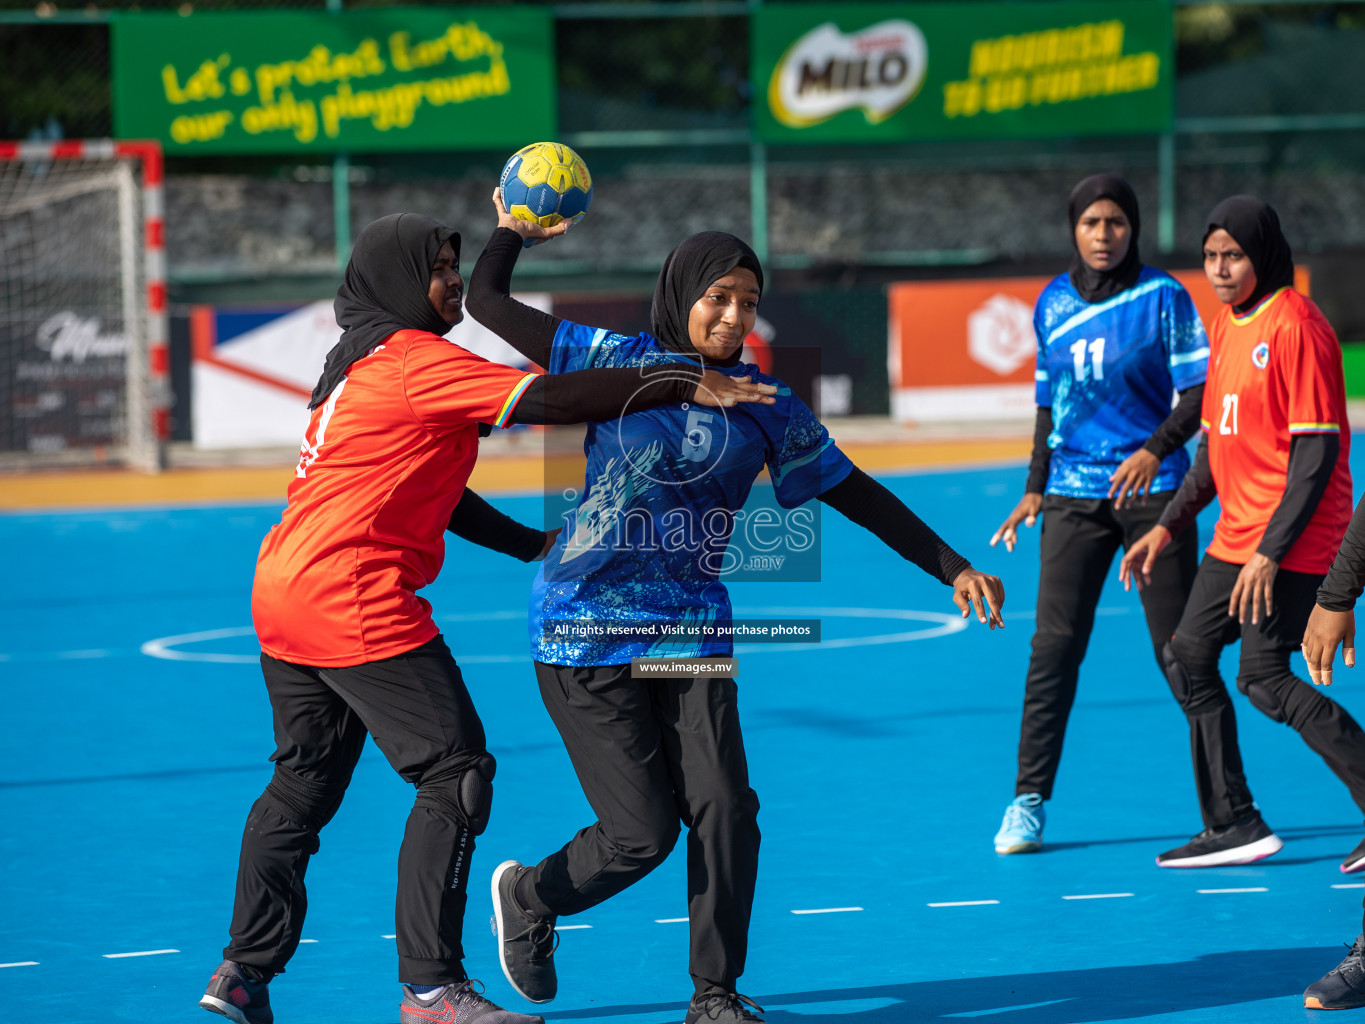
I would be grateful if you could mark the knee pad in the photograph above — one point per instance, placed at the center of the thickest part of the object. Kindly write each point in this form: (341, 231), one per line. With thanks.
(308, 803)
(1190, 666)
(1177, 677)
(463, 786)
(1264, 694)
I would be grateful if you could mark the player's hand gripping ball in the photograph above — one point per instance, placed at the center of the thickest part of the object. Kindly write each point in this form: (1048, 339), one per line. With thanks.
(546, 183)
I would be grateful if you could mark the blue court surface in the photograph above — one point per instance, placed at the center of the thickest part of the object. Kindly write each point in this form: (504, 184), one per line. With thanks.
(136, 732)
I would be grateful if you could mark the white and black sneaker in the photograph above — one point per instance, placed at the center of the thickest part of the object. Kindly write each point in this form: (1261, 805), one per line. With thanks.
(1355, 860)
(526, 943)
(1343, 987)
(1246, 840)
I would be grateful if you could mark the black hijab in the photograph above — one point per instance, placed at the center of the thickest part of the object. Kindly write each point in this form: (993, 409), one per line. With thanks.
(697, 263)
(385, 290)
(1255, 227)
(1098, 285)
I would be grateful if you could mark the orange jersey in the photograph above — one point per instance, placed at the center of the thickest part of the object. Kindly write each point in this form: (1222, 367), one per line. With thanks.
(1274, 373)
(382, 467)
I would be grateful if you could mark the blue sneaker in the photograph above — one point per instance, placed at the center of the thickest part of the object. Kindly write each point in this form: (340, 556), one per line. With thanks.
(1022, 829)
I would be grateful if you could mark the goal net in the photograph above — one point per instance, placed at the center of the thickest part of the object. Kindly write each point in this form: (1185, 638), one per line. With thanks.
(83, 355)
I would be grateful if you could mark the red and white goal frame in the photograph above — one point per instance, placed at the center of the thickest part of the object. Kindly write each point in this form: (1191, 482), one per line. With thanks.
(149, 417)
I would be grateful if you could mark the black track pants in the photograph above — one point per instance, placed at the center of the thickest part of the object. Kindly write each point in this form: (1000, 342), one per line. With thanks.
(417, 709)
(1080, 538)
(649, 755)
(1263, 676)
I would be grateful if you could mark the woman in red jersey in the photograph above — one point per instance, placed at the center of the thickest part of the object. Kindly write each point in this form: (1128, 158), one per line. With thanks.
(1275, 454)
(349, 649)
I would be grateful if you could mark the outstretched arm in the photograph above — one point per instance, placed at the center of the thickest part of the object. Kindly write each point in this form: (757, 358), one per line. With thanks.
(869, 504)
(590, 396)
(480, 523)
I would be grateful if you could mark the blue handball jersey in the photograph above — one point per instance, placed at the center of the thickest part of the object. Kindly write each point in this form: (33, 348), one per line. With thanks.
(644, 548)
(1108, 370)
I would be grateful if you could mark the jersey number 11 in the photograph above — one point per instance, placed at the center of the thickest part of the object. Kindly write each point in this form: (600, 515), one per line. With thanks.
(1096, 358)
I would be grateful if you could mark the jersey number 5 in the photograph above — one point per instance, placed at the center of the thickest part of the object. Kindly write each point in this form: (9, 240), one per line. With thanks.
(1228, 424)
(696, 440)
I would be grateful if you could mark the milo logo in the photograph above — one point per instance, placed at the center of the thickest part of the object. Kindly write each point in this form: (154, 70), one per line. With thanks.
(878, 70)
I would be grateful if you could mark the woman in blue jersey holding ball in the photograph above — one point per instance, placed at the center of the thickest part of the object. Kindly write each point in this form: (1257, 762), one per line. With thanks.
(646, 551)
(1116, 340)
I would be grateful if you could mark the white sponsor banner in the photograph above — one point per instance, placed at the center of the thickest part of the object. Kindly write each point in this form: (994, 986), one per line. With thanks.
(251, 390)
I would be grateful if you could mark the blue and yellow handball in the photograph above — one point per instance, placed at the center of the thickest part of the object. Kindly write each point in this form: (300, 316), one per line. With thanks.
(545, 183)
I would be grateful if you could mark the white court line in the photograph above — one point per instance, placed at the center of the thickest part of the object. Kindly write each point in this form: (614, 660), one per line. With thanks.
(1008, 1009)
(388, 936)
(670, 920)
(22, 963)
(1099, 896)
(144, 952)
(302, 941)
(1254, 888)
(828, 910)
(570, 927)
(1349, 885)
(965, 903)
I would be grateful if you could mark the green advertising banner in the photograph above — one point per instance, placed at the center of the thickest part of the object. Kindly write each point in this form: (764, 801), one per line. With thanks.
(395, 79)
(897, 72)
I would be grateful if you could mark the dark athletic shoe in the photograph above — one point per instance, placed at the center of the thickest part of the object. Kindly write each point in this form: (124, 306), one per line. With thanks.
(1355, 860)
(458, 1004)
(526, 943)
(1247, 839)
(1343, 987)
(236, 997)
(722, 1008)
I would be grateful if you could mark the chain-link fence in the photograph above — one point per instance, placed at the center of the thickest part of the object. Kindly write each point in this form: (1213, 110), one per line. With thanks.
(1264, 70)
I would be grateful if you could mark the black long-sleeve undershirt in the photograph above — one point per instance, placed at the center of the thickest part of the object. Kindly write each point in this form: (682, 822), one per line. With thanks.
(869, 504)
(1040, 462)
(480, 523)
(1174, 431)
(1346, 579)
(1180, 425)
(589, 396)
(489, 300)
(1194, 495)
(1312, 457)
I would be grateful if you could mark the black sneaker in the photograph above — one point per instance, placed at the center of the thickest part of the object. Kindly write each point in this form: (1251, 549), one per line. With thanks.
(1247, 839)
(526, 943)
(722, 1008)
(1355, 860)
(458, 1004)
(1343, 987)
(235, 996)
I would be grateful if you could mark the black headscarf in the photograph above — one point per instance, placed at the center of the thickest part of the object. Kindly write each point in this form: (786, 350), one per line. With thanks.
(1255, 227)
(697, 263)
(1097, 285)
(385, 290)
